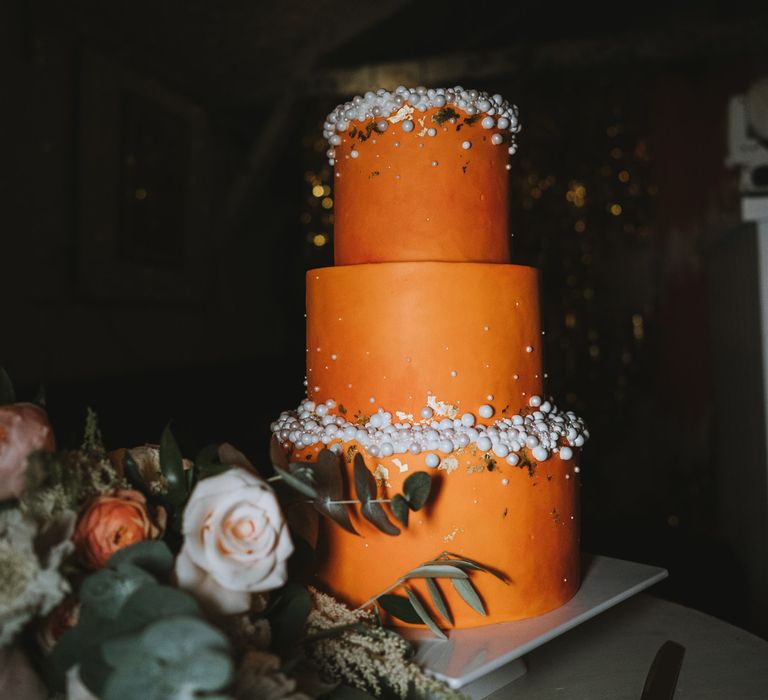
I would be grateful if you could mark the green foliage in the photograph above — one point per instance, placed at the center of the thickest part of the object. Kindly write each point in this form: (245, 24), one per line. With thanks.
(400, 607)
(288, 616)
(365, 487)
(323, 484)
(416, 489)
(137, 637)
(172, 468)
(400, 509)
(421, 611)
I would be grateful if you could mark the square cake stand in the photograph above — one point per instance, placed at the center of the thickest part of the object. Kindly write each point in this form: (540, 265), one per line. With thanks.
(480, 660)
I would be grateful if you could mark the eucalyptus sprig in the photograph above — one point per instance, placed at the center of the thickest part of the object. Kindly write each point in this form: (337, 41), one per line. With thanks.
(139, 637)
(410, 608)
(322, 483)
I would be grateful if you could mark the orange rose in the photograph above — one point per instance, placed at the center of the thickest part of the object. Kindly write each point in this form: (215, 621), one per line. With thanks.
(113, 521)
(24, 428)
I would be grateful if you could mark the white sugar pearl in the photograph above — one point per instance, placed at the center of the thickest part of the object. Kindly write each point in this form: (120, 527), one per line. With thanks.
(386, 449)
(466, 145)
(468, 420)
(485, 411)
(349, 433)
(335, 140)
(546, 407)
(414, 448)
(373, 450)
(439, 101)
(503, 123)
(579, 441)
(484, 443)
(532, 441)
(488, 123)
(497, 139)
(353, 153)
(431, 132)
(463, 440)
(566, 453)
(528, 348)
(426, 412)
(446, 446)
(432, 460)
(382, 125)
(500, 450)
(513, 459)
(321, 410)
(407, 126)
(540, 454)
(434, 163)
(489, 397)
(534, 401)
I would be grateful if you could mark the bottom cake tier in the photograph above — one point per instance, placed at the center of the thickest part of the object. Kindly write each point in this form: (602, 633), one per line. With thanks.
(520, 521)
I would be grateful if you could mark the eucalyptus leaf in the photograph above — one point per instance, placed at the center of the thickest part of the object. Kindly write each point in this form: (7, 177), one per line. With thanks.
(416, 489)
(289, 617)
(336, 512)
(151, 555)
(94, 671)
(365, 484)
(365, 488)
(172, 466)
(207, 670)
(436, 571)
(464, 563)
(179, 638)
(329, 484)
(438, 601)
(154, 602)
(426, 618)
(374, 513)
(400, 607)
(467, 591)
(105, 592)
(7, 392)
(400, 509)
(296, 483)
(133, 474)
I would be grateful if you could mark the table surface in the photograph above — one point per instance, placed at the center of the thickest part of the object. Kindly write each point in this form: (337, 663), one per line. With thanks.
(608, 657)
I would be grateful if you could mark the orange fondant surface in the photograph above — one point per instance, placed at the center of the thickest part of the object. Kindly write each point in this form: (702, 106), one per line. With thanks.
(390, 334)
(392, 204)
(527, 529)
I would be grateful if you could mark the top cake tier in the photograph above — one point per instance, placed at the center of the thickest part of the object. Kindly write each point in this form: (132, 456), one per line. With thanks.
(421, 175)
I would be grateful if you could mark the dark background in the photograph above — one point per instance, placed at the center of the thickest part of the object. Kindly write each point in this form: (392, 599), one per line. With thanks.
(164, 187)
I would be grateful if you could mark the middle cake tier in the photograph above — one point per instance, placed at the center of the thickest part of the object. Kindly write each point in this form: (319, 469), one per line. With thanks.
(402, 336)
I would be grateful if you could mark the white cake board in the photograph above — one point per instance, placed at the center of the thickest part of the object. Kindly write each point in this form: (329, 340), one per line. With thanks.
(480, 660)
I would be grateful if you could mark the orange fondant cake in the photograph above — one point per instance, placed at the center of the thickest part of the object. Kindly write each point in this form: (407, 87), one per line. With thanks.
(424, 354)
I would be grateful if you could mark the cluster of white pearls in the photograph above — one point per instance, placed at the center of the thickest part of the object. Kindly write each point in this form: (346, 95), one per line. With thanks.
(542, 431)
(385, 106)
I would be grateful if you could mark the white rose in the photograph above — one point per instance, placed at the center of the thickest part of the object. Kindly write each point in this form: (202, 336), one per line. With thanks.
(236, 541)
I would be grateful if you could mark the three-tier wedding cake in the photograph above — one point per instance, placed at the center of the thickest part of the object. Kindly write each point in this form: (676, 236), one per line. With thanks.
(424, 353)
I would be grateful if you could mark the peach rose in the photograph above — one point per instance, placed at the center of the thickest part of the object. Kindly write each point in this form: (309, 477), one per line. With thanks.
(236, 541)
(113, 521)
(24, 428)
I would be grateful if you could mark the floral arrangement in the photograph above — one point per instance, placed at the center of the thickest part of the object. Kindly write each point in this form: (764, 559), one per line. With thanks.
(138, 573)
